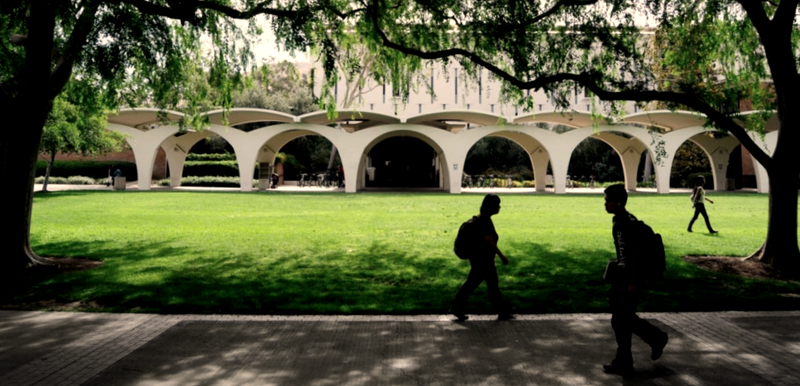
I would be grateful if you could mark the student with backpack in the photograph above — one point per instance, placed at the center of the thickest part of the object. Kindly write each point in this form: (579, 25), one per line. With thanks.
(638, 258)
(477, 241)
(698, 202)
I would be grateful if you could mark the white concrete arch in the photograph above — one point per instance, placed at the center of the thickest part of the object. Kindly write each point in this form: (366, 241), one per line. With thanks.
(666, 119)
(239, 116)
(248, 145)
(441, 141)
(275, 137)
(143, 117)
(563, 145)
(524, 136)
(177, 148)
(573, 119)
(144, 144)
(628, 149)
(438, 119)
(673, 140)
(718, 151)
(269, 151)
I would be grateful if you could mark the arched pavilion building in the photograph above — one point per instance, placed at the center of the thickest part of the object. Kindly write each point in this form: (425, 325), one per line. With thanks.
(449, 133)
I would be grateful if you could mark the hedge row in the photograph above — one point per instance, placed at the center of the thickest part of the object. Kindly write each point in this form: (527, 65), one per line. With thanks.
(209, 181)
(92, 169)
(73, 180)
(211, 168)
(211, 157)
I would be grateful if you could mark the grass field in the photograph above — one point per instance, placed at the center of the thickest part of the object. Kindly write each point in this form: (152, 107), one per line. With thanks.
(176, 252)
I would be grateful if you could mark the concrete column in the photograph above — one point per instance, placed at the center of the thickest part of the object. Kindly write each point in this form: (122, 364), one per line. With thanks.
(145, 145)
(768, 145)
(663, 170)
(719, 152)
(540, 158)
(630, 166)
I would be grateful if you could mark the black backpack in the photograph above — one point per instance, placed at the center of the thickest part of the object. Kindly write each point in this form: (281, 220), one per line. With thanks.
(465, 244)
(650, 251)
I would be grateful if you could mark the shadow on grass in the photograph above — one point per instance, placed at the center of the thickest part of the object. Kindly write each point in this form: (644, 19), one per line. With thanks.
(163, 278)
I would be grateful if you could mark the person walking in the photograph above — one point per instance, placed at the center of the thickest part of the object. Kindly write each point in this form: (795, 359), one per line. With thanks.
(627, 286)
(481, 261)
(698, 202)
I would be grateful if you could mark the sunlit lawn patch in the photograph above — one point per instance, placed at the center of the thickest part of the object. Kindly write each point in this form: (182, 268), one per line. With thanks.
(180, 252)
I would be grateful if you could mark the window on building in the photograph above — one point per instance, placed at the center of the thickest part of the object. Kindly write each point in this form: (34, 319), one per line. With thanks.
(480, 87)
(540, 107)
(456, 85)
(431, 86)
(420, 108)
(492, 107)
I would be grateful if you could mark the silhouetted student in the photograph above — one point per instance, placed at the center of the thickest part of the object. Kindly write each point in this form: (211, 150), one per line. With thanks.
(698, 202)
(481, 261)
(627, 287)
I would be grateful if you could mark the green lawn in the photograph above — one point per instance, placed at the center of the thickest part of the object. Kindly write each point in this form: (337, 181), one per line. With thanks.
(178, 252)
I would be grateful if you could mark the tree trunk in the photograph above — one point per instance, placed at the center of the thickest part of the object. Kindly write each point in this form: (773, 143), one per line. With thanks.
(47, 173)
(780, 248)
(19, 147)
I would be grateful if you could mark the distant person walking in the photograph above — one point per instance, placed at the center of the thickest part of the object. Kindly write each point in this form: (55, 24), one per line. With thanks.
(627, 287)
(483, 238)
(698, 202)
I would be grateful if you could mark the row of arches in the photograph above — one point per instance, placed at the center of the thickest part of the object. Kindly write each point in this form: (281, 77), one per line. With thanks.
(355, 136)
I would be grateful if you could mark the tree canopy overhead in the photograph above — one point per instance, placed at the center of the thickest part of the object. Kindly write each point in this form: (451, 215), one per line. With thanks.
(706, 56)
(135, 52)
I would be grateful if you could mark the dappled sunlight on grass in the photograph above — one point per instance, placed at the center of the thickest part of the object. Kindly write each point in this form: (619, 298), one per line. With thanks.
(373, 253)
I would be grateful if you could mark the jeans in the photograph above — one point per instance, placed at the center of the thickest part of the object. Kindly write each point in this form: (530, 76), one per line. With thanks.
(482, 269)
(698, 210)
(625, 323)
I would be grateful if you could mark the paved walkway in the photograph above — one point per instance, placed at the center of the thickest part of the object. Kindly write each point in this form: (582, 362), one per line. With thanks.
(58, 348)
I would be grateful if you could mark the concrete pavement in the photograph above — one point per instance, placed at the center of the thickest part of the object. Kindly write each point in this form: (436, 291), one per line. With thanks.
(58, 348)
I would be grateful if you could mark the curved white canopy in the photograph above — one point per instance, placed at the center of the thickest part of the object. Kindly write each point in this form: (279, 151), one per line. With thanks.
(140, 117)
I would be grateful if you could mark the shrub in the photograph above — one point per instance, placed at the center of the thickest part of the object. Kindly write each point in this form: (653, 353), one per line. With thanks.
(516, 184)
(529, 184)
(211, 168)
(208, 181)
(74, 180)
(211, 157)
(81, 180)
(92, 169)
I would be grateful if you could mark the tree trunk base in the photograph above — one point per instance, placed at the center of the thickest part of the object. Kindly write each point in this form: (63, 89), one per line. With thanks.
(789, 266)
(756, 255)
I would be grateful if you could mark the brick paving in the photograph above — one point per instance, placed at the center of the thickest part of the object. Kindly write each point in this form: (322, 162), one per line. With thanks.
(56, 348)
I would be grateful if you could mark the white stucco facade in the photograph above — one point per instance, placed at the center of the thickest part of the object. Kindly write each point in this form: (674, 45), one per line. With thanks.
(450, 133)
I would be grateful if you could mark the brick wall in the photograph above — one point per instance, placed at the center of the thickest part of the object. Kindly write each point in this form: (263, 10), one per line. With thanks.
(159, 168)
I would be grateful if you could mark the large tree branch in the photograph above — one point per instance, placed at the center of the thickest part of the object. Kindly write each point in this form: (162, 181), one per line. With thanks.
(18, 40)
(557, 6)
(720, 120)
(757, 15)
(75, 44)
(188, 10)
(785, 14)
